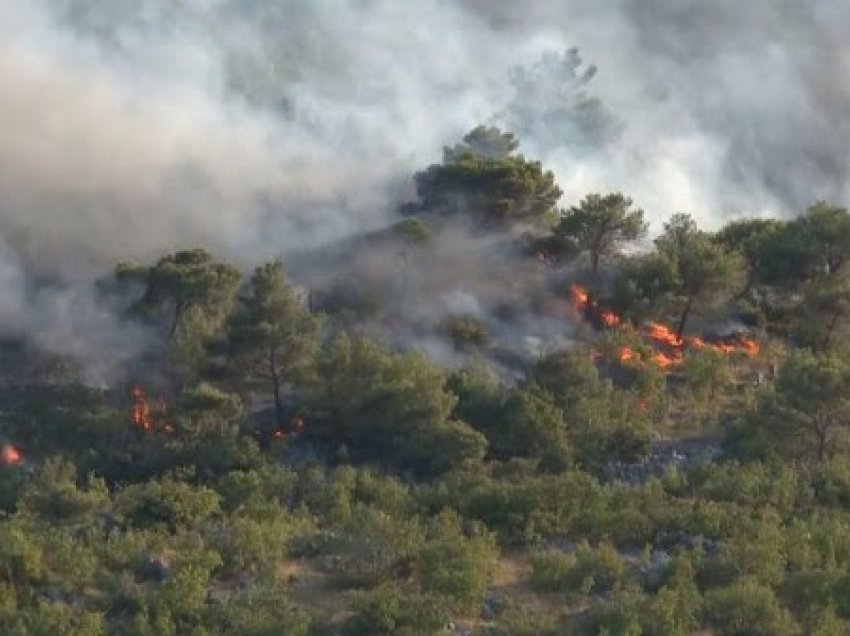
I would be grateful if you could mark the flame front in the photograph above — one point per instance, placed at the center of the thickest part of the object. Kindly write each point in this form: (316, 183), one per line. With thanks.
(609, 318)
(663, 361)
(668, 348)
(750, 346)
(580, 297)
(141, 411)
(664, 335)
(142, 415)
(696, 343)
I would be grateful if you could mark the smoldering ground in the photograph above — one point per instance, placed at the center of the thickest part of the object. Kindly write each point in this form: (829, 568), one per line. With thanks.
(408, 293)
(253, 127)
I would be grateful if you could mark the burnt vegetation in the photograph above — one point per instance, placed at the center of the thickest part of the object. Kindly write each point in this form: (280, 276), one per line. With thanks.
(495, 416)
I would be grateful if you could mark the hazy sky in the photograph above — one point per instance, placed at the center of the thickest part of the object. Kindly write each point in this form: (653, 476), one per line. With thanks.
(251, 126)
(255, 127)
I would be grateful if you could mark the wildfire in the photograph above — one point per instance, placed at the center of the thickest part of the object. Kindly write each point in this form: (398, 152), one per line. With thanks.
(609, 318)
(664, 335)
(750, 346)
(10, 456)
(668, 348)
(696, 343)
(663, 361)
(141, 411)
(580, 297)
(294, 425)
(142, 415)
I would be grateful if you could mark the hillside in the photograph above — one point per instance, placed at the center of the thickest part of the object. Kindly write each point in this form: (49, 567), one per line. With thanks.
(375, 318)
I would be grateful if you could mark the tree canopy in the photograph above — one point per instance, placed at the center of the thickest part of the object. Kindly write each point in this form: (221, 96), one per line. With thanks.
(689, 269)
(485, 180)
(508, 443)
(600, 225)
(272, 337)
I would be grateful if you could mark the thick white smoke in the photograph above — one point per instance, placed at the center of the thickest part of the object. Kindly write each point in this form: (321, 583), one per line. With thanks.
(255, 127)
(728, 107)
(135, 127)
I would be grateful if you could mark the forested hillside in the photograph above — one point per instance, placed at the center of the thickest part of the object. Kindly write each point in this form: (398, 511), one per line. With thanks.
(447, 317)
(493, 416)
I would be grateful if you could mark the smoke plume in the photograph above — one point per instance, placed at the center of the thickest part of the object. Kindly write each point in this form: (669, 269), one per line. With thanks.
(254, 127)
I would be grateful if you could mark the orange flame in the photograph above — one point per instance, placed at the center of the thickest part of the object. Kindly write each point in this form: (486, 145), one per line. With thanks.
(663, 334)
(671, 355)
(740, 344)
(609, 318)
(696, 343)
(141, 411)
(580, 297)
(724, 348)
(751, 347)
(142, 415)
(669, 349)
(663, 361)
(10, 456)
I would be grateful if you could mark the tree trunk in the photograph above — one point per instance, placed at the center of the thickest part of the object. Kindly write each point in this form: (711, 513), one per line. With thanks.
(278, 406)
(594, 262)
(821, 428)
(683, 319)
(179, 308)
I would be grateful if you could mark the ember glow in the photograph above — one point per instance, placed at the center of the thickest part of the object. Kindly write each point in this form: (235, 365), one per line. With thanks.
(294, 425)
(10, 456)
(609, 318)
(580, 297)
(663, 361)
(147, 418)
(663, 335)
(668, 350)
(141, 411)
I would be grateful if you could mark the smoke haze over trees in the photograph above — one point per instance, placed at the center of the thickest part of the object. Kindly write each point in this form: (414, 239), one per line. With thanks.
(364, 317)
(259, 128)
(136, 126)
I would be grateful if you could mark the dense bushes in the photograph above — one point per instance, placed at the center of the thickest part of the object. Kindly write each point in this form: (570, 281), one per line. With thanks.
(306, 477)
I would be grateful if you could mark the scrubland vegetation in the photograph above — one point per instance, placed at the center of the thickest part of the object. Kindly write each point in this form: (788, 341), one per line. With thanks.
(282, 461)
